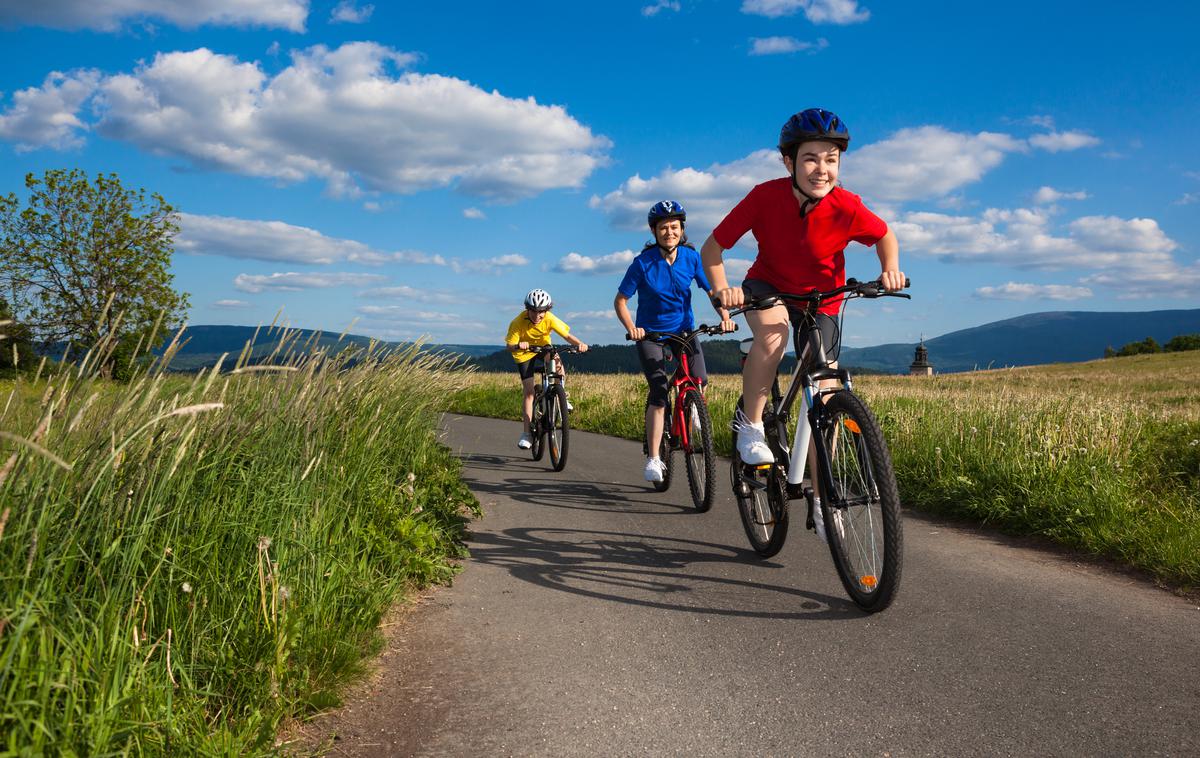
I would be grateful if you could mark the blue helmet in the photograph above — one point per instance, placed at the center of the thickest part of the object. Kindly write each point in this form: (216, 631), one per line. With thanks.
(665, 209)
(813, 124)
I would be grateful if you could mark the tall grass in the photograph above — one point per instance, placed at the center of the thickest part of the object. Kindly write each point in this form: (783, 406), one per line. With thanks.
(185, 562)
(1102, 456)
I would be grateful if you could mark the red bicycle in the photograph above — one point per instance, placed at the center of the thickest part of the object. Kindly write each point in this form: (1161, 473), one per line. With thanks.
(688, 426)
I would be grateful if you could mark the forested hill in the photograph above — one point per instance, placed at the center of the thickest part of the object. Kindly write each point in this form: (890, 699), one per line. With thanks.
(1033, 339)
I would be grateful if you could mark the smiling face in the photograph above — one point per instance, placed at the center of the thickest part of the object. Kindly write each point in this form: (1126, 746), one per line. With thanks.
(535, 316)
(668, 233)
(817, 165)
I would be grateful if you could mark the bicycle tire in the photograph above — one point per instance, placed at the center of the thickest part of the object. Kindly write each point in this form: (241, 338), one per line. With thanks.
(763, 510)
(535, 426)
(698, 455)
(558, 427)
(665, 451)
(862, 514)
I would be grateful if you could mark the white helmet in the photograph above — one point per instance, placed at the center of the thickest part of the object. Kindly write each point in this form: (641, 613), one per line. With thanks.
(538, 300)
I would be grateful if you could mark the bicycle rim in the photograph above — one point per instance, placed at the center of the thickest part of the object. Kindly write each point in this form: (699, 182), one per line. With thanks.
(698, 452)
(862, 514)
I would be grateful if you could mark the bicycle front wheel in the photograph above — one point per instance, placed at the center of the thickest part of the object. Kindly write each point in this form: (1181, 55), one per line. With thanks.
(557, 427)
(862, 513)
(701, 463)
(762, 502)
(536, 428)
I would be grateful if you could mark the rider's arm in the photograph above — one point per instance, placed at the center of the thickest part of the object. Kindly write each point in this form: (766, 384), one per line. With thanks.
(576, 342)
(714, 268)
(621, 306)
(888, 250)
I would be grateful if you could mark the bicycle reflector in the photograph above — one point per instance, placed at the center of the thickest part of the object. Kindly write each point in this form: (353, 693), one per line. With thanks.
(852, 425)
(869, 581)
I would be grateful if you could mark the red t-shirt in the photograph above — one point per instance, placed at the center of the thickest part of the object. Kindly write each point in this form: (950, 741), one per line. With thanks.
(798, 254)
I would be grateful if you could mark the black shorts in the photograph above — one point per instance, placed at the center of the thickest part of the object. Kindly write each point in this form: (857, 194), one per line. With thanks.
(830, 334)
(653, 357)
(527, 368)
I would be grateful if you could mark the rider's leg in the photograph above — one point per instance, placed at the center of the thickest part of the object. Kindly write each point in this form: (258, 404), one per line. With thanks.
(653, 359)
(770, 328)
(527, 388)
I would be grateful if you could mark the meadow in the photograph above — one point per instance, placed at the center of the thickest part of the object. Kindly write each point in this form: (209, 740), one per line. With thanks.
(187, 562)
(1102, 457)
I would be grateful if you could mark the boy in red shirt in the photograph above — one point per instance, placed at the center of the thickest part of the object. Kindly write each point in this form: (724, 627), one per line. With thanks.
(802, 225)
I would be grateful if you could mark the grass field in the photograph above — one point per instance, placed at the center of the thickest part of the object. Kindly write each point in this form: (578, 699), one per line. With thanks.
(1103, 457)
(186, 562)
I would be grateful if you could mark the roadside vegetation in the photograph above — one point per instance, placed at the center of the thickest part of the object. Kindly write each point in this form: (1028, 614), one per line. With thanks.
(187, 562)
(1103, 457)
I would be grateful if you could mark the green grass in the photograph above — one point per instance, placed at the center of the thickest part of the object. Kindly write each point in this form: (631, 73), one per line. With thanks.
(1103, 457)
(219, 554)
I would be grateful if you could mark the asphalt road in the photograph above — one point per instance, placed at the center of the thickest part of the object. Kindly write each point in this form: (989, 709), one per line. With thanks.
(598, 617)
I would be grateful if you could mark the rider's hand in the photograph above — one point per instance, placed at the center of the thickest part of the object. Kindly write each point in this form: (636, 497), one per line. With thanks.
(727, 325)
(636, 333)
(523, 345)
(892, 281)
(581, 347)
(731, 297)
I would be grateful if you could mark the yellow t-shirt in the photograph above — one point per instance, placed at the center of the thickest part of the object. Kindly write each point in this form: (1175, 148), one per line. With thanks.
(523, 330)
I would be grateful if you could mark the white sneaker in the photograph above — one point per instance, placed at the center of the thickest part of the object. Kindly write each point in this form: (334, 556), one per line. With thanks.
(655, 469)
(570, 408)
(751, 441)
(525, 442)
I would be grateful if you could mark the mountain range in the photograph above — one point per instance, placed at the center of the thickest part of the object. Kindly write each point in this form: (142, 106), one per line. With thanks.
(1032, 339)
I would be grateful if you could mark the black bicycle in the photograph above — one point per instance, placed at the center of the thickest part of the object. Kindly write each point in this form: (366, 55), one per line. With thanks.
(689, 428)
(550, 425)
(856, 495)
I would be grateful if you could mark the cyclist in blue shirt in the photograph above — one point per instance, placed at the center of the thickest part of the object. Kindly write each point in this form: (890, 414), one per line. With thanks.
(661, 277)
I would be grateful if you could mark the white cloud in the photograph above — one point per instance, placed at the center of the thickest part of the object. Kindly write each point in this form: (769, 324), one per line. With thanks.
(1044, 121)
(108, 15)
(925, 162)
(591, 315)
(1023, 238)
(661, 5)
(783, 45)
(1188, 198)
(417, 294)
(271, 241)
(1018, 291)
(292, 281)
(343, 116)
(1157, 279)
(347, 12)
(1046, 195)
(1055, 142)
(491, 265)
(46, 116)
(736, 268)
(574, 263)
(474, 213)
(817, 11)
(231, 304)
(707, 194)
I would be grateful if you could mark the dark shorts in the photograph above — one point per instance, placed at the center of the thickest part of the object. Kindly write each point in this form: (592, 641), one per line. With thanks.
(653, 357)
(527, 368)
(830, 333)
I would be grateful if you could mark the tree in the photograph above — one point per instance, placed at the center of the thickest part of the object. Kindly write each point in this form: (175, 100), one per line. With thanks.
(16, 345)
(1182, 342)
(88, 260)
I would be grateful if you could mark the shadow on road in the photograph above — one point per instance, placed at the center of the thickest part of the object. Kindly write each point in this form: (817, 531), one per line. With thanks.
(656, 572)
(546, 488)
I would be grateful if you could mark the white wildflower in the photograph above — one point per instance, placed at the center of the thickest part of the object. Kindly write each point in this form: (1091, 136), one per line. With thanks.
(186, 587)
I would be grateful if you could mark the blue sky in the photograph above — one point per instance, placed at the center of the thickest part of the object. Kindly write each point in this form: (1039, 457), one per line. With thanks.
(415, 170)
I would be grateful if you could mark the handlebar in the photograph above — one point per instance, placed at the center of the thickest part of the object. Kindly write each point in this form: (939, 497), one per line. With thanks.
(547, 349)
(682, 336)
(852, 287)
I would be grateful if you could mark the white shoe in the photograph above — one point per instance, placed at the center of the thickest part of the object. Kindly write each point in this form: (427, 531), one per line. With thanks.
(655, 469)
(525, 442)
(751, 441)
(570, 408)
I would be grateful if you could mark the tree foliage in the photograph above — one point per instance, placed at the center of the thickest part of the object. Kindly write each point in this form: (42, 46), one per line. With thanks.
(85, 260)
(1176, 344)
(16, 343)
(1183, 342)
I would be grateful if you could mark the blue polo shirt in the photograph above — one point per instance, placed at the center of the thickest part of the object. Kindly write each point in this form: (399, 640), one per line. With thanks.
(664, 290)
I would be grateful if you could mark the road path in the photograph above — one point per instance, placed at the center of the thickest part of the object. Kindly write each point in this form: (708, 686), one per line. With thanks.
(598, 617)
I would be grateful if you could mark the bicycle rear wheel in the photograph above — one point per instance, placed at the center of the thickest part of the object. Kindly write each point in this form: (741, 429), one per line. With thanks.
(557, 427)
(701, 463)
(665, 451)
(536, 428)
(862, 513)
(762, 502)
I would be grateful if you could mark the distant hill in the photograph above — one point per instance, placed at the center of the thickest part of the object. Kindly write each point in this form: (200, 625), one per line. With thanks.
(1030, 340)
(1033, 339)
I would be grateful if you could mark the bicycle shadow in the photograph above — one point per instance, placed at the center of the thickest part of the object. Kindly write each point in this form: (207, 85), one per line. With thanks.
(665, 573)
(550, 491)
